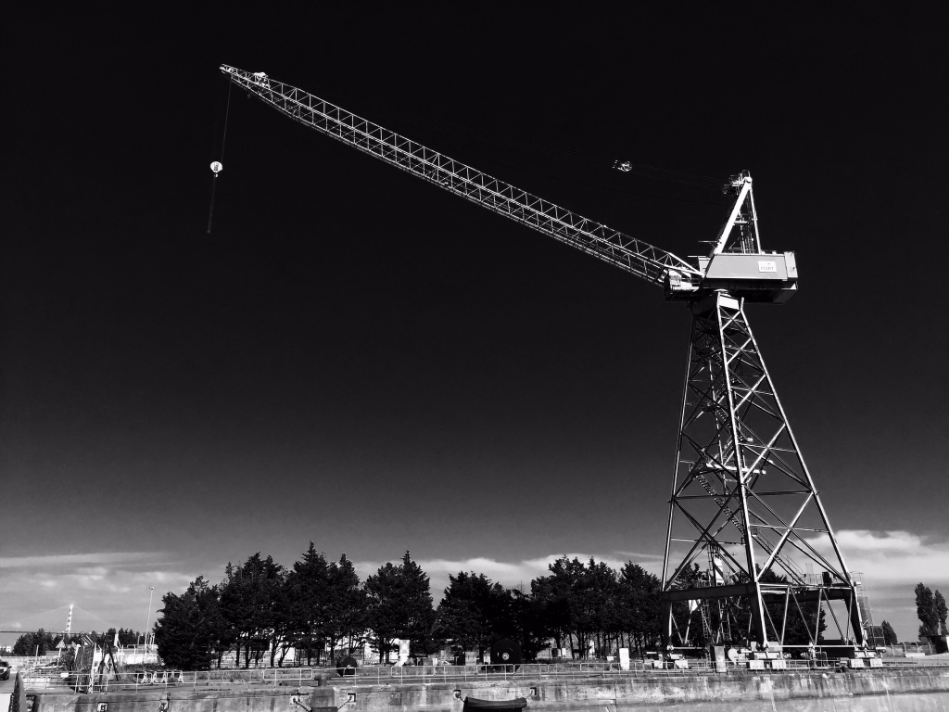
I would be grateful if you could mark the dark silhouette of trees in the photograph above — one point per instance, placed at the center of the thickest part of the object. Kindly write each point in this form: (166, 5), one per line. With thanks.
(889, 635)
(530, 628)
(931, 611)
(475, 613)
(567, 596)
(38, 643)
(322, 610)
(400, 606)
(941, 611)
(254, 605)
(551, 600)
(347, 610)
(639, 606)
(591, 606)
(191, 631)
(327, 605)
(600, 591)
(308, 599)
(126, 637)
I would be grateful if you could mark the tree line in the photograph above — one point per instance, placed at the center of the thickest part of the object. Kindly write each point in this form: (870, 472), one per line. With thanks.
(322, 610)
(44, 641)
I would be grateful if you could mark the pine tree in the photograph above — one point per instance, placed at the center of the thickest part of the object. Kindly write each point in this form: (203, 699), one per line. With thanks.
(400, 606)
(26, 644)
(600, 589)
(309, 599)
(250, 602)
(941, 612)
(474, 613)
(889, 635)
(530, 627)
(38, 643)
(191, 631)
(346, 609)
(129, 637)
(564, 600)
(551, 602)
(927, 611)
(640, 605)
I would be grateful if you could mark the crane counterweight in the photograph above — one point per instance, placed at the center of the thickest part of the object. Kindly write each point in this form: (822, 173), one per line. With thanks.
(769, 277)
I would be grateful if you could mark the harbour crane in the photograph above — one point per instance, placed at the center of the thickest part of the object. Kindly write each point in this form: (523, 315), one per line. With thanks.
(743, 503)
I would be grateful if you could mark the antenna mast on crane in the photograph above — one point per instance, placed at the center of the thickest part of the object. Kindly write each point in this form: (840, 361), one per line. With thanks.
(743, 500)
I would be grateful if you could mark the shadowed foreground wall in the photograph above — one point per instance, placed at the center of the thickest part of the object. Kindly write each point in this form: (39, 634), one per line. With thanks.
(878, 691)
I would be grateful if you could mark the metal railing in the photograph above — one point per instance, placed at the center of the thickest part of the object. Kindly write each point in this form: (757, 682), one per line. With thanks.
(102, 682)
(378, 674)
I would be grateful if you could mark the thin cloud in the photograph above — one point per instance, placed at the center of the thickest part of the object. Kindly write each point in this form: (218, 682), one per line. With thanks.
(892, 563)
(637, 556)
(107, 589)
(130, 558)
(891, 557)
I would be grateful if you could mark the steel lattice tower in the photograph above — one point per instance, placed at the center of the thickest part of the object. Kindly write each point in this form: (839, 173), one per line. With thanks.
(742, 496)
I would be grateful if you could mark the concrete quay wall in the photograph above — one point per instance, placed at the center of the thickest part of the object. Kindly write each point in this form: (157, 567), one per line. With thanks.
(877, 691)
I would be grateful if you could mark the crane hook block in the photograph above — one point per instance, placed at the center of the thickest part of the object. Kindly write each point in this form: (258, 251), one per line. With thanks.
(216, 168)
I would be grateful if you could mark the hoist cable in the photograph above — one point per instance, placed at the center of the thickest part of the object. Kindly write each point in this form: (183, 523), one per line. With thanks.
(227, 112)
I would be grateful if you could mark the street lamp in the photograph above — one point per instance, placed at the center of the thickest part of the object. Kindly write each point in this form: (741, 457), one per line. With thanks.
(148, 616)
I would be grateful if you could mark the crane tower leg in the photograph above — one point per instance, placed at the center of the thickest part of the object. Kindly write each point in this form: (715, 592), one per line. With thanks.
(744, 506)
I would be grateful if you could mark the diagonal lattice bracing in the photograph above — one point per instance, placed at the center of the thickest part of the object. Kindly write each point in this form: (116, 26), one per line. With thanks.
(742, 495)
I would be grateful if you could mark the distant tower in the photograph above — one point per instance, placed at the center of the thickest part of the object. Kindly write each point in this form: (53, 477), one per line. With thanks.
(69, 621)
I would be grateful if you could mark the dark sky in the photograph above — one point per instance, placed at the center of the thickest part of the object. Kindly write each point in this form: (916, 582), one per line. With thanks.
(356, 358)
